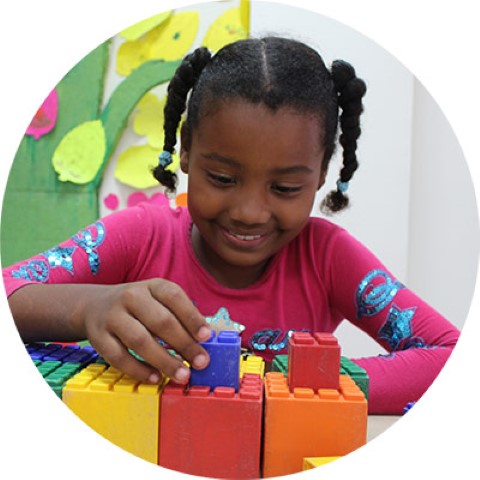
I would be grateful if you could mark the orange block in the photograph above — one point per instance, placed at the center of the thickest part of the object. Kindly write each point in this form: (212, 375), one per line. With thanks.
(308, 423)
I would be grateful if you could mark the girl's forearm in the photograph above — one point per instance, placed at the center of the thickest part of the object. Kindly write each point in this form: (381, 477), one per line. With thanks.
(50, 312)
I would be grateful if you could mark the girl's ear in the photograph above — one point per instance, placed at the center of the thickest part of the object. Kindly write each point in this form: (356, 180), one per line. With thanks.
(184, 160)
(321, 181)
(184, 148)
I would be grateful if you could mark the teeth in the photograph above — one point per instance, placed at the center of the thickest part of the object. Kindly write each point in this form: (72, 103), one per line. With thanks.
(246, 237)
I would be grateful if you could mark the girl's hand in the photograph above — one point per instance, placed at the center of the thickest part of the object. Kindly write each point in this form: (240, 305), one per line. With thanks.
(133, 316)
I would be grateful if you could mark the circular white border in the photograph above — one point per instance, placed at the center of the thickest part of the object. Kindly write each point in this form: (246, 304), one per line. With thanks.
(41, 41)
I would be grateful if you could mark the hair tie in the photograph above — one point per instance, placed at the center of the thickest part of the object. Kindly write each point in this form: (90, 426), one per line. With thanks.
(165, 159)
(342, 186)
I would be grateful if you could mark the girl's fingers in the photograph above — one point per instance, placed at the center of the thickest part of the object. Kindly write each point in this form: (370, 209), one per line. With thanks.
(182, 308)
(117, 355)
(135, 336)
(172, 317)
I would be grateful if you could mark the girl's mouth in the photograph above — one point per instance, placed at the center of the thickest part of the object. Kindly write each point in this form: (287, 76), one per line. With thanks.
(245, 240)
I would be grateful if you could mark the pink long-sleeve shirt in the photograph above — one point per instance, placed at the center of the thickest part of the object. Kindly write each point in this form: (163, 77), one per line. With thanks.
(321, 278)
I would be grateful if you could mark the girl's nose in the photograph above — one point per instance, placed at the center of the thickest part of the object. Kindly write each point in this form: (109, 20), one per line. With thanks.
(250, 207)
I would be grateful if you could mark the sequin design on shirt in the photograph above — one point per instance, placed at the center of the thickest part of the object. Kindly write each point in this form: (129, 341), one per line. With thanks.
(398, 326)
(222, 321)
(38, 270)
(61, 257)
(89, 243)
(376, 290)
(272, 340)
(34, 270)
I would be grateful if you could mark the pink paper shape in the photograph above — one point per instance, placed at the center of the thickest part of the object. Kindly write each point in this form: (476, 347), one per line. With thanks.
(137, 197)
(46, 117)
(111, 201)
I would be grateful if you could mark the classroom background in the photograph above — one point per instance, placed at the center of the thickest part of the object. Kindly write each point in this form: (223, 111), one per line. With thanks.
(89, 147)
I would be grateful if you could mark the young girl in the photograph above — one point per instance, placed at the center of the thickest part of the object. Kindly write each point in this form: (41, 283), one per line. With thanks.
(260, 130)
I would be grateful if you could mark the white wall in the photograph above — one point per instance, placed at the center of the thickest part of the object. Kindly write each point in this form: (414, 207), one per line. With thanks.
(444, 234)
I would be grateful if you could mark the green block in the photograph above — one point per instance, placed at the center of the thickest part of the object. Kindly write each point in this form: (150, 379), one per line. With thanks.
(280, 364)
(358, 374)
(56, 373)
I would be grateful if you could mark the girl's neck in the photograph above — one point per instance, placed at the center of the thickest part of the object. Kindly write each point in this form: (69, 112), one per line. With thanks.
(230, 276)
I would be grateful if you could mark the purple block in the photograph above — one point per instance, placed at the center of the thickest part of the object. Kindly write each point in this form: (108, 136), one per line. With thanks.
(224, 367)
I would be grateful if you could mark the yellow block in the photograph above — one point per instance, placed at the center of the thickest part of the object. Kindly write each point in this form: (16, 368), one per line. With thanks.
(121, 409)
(314, 462)
(252, 364)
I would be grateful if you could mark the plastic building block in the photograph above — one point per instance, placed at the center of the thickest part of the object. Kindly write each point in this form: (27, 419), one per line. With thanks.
(252, 364)
(213, 433)
(60, 352)
(408, 407)
(314, 462)
(224, 367)
(313, 361)
(310, 423)
(280, 364)
(57, 373)
(358, 374)
(119, 408)
(347, 367)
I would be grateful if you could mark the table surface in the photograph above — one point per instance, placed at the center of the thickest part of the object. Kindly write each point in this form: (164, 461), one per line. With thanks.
(377, 424)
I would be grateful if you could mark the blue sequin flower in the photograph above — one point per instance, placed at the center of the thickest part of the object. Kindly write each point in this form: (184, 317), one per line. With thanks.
(88, 242)
(398, 326)
(375, 292)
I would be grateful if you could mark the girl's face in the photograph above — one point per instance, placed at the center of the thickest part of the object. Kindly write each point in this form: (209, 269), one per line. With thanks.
(252, 179)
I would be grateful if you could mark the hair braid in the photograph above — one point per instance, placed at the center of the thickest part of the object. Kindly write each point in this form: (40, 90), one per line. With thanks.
(181, 83)
(350, 90)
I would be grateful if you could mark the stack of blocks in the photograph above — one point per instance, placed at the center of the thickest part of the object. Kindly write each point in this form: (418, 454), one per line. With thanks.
(213, 427)
(229, 421)
(57, 362)
(315, 411)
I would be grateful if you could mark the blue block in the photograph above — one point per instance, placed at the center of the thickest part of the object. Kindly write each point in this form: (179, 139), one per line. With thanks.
(224, 367)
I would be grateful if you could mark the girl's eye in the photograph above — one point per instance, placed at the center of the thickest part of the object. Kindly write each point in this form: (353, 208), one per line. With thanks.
(222, 180)
(286, 190)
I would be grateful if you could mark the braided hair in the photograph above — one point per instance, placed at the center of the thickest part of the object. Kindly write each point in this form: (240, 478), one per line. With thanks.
(276, 72)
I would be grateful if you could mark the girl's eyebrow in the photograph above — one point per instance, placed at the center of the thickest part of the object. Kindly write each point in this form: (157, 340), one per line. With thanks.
(291, 169)
(221, 159)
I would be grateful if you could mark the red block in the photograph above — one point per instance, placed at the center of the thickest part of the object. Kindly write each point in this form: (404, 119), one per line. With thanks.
(313, 361)
(212, 433)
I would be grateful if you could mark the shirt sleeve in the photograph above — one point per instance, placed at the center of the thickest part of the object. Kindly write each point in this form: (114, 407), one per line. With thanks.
(101, 253)
(418, 339)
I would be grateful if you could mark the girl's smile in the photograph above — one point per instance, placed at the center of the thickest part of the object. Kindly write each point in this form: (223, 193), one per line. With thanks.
(252, 178)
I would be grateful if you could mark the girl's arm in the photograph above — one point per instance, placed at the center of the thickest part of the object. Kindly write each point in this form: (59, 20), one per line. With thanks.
(117, 318)
(418, 339)
(86, 288)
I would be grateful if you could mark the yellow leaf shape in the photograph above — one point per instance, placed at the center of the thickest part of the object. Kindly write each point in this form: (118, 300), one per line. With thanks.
(169, 41)
(173, 38)
(227, 28)
(80, 154)
(130, 56)
(141, 28)
(245, 15)
(135, 164)
(148, 121)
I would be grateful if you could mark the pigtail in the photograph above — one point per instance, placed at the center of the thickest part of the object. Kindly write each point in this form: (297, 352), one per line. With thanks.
(182, 82)
(350, 90)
